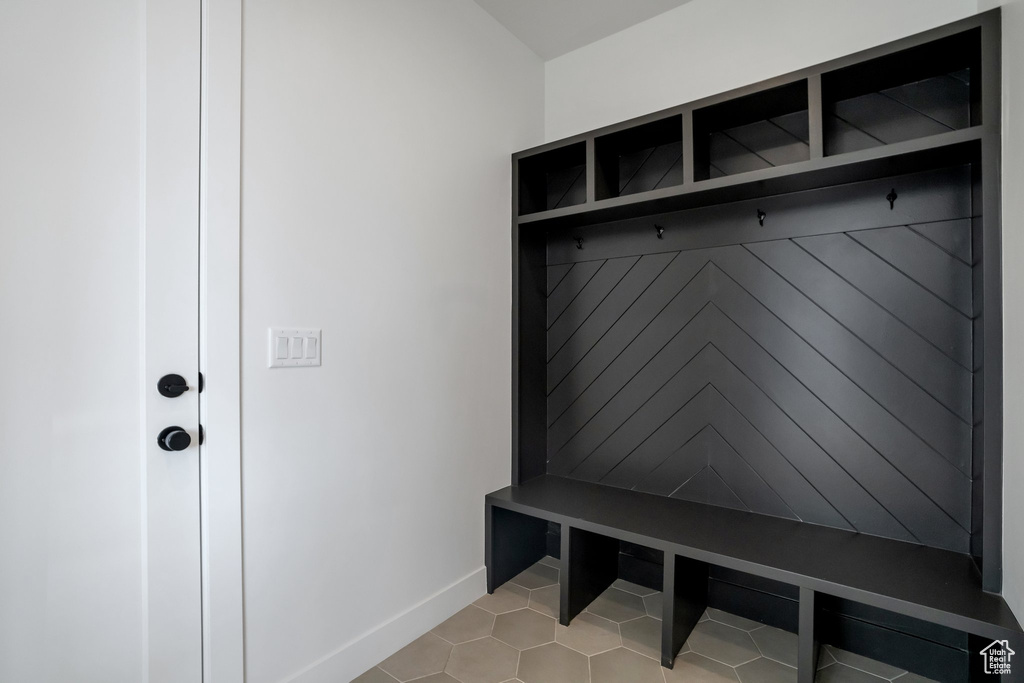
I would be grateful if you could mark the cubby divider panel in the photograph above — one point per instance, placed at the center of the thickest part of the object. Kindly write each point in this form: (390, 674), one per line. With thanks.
(807, 637)
(639, 159)
(514, 543)
(683, 602)
(591, 563)
(757, 131)
(925, 90)
(554, 179)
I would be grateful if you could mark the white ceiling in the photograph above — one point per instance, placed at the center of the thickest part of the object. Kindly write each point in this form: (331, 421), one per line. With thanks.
(553, 27)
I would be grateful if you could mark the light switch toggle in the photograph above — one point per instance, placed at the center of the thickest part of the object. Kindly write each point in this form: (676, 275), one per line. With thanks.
(294, 347)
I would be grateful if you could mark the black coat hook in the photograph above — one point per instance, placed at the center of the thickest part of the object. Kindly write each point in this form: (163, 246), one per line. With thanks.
(761, 215)
(579, 242)
(661, 232)
(892, 198)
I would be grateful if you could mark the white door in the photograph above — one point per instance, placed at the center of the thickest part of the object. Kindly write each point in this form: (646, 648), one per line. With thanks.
(99, 286)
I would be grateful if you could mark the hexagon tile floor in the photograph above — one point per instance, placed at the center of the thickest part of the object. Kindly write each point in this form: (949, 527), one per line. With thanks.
(514, 636)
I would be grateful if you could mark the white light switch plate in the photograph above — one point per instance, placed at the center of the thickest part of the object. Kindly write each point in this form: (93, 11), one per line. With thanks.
(294, 347)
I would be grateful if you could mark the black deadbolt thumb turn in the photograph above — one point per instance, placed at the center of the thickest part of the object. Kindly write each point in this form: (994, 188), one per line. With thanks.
(172, 386)
(174, 439)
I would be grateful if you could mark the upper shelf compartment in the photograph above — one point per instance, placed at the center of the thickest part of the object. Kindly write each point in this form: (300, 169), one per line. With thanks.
(761, 130)
(646, 157)
(554, 179)
(925, 90)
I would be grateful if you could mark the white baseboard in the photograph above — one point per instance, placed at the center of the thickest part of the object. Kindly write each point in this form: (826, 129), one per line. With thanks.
(368, 649)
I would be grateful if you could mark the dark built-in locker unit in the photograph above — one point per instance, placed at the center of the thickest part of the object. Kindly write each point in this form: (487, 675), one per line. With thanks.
(757, 357)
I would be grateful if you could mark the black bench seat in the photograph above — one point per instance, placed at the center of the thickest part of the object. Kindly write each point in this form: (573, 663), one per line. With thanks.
(934, 585)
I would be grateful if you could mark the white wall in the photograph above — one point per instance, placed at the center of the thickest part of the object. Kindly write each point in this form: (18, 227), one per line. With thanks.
(376, 206)
(709, 46)
(1013, 304)
(71, 478)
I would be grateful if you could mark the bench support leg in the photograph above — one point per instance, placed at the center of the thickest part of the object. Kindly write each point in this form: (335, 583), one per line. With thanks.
(683, 601)
(590, 563)
(514, 542)
(807, 639)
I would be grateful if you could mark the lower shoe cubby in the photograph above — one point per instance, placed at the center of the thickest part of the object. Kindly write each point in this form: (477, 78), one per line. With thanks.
(756, 624)
(884, 643)
(515, 542)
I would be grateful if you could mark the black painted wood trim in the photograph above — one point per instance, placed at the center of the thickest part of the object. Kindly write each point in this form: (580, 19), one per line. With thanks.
(991, 259)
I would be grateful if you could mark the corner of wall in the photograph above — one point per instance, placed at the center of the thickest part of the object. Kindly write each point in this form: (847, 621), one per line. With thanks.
(370, 648)
(1013, 309)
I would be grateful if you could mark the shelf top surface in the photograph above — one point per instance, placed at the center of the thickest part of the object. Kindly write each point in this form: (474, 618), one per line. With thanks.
(891, 574)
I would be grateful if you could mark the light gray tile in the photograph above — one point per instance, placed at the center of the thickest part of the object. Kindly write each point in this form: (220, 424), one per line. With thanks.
(642, 635)
(633, 588)
(437, 678)
(825, 658)
(545, 600)
(722, 643)
(691, 667)
(733, 620)
(621, 665)
(374, 675)
(652, 603)
(551, 562)
(553, 663)
(424, 656)
(913, 678)
(589, 634)
(618, 605)
(537, 576)
(524, 629)
(864, 663)
(505, 598)
(765, 671)
(469, 623)
(840, 673)
(482, 661)
(774, 643)
(704, 617)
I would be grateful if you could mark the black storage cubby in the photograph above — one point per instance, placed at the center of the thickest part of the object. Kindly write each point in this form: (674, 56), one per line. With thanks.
(552, 180)
(647, 157)
(758, 363)
(926, 90)
(761, 130)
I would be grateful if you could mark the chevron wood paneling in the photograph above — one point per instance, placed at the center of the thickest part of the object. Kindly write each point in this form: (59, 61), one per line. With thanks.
(650, 169)
(824, 378)
(764, 144)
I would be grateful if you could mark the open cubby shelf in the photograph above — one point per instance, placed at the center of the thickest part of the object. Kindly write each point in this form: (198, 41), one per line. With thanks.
(918, 92)
(762, 130)
(554, 179)
(646, 157)
(757, 357)
(910, 90)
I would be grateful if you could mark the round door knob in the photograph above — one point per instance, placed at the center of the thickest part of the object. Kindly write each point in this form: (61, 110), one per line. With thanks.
(174, 439)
